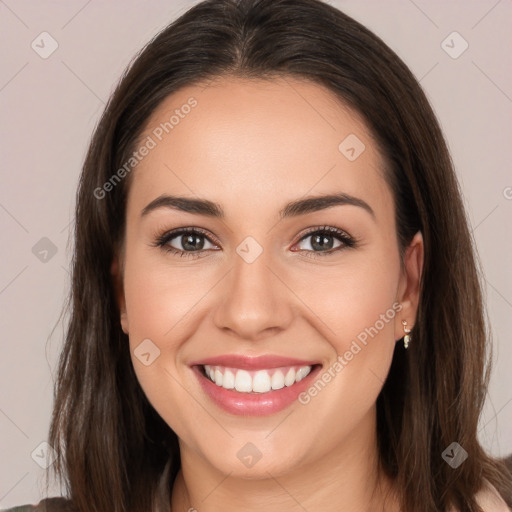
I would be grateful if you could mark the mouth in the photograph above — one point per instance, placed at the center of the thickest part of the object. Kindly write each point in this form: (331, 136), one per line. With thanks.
(260, 381)
(254, 386)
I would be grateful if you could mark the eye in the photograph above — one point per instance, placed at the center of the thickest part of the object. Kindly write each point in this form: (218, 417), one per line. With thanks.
(323, 239)
(190, 242)
(184, 242)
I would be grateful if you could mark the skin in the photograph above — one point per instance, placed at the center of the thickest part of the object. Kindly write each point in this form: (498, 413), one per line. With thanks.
(253, 146)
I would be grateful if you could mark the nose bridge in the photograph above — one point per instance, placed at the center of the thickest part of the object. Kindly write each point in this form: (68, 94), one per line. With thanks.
(251, 268)
(253, 298)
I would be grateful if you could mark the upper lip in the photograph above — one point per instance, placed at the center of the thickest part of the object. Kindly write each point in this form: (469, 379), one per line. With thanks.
(253, 363)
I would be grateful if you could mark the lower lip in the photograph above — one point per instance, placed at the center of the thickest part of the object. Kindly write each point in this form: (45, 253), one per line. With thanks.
(254, 404)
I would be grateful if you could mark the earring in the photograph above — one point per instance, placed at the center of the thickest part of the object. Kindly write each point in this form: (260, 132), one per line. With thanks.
(407, 337)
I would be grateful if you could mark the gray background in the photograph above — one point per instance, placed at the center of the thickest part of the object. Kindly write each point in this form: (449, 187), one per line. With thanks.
(49, 110)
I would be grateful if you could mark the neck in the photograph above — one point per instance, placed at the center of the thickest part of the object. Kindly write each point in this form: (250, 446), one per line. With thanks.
(348, 478)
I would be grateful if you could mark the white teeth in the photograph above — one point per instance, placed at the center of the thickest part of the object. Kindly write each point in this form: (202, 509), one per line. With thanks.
(302, 372)
(260, 381)
(278, 380)
(218, 377)
(243, 381)
(290, 377)
(228, 380)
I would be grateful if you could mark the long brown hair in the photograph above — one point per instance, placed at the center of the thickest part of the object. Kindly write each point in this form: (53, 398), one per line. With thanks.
(111, 445)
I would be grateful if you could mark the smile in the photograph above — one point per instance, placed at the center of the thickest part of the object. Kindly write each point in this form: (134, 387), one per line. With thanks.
(261, 381)
(254, 386)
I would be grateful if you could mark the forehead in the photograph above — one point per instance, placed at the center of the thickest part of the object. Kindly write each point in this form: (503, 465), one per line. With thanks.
(252, 142)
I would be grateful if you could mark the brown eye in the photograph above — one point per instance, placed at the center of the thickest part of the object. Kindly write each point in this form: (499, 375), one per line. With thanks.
(326, 240)
(184, 242)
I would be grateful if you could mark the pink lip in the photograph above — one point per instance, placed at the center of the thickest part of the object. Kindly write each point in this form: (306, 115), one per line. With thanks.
(253, 404)
(253, 363)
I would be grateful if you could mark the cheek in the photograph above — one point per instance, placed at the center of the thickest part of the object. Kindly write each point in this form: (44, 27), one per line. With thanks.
(356, 306)
(158, 296)
(352, 298)
(361, 334)
(156, 301)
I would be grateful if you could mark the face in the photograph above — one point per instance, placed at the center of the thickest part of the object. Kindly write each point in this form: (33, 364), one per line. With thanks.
(252, 281)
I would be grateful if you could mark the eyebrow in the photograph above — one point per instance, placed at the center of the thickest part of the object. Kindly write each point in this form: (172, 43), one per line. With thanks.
(292, 209)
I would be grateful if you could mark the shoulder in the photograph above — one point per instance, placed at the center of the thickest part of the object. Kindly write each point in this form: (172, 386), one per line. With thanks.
(59, 504)
(490, 501)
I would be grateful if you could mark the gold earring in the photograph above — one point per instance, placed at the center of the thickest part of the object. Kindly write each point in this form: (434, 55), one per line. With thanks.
(407, 337)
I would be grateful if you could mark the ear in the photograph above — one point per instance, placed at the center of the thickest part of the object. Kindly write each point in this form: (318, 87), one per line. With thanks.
(409, 285)
(117, 277)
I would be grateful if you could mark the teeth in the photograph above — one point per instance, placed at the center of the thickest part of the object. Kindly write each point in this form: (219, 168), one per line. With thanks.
(261, 381)
(278, 380)
(290, 377)
(228, 380)
(301, 373)
(243, 381)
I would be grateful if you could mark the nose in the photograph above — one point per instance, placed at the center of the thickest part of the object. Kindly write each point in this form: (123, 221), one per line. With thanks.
(256, 301)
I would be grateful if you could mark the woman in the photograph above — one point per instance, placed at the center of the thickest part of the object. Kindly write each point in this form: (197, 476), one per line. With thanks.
(325, 347)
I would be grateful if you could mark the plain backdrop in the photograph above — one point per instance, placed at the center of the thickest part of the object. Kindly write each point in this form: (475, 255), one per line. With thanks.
(50, 106)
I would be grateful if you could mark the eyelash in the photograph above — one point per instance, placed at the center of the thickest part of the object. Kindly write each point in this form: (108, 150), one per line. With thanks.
(162, 241)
